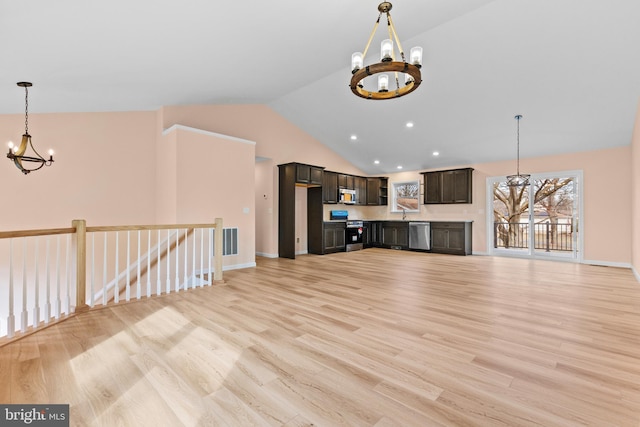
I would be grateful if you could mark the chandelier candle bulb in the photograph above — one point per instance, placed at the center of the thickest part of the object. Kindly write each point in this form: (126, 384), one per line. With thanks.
(356, 61)
(386, 50)
(416, 56)
(383, 83)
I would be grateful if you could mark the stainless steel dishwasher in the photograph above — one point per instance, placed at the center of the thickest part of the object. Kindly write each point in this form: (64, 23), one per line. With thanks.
(420, 235)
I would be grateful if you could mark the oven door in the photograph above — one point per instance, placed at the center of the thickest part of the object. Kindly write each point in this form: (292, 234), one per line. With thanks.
(353, 237)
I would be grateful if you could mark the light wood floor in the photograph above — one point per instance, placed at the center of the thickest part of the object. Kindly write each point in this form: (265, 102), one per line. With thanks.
(367, 338)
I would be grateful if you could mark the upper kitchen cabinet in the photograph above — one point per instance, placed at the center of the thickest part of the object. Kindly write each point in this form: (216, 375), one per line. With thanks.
(330, 187)
(360, 185)
(346, 181)
(448, 186)
(373, 188)
(377, 191)
(308, 174)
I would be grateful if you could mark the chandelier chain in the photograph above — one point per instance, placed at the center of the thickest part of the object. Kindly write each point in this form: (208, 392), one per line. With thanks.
(26, 110)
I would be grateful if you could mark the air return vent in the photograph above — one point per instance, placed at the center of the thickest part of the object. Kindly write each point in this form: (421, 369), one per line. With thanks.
(229, 241)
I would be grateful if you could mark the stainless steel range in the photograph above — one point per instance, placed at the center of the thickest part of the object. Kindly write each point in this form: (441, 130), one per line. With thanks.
(353, 235)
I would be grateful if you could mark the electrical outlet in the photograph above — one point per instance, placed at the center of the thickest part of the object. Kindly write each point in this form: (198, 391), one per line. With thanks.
(298, 240)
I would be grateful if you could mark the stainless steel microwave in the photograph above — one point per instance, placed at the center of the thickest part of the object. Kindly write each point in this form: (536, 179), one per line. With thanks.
(346, 196)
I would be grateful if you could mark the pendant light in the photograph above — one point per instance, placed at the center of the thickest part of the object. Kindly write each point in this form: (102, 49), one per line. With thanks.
(18, 155)
(518, 180)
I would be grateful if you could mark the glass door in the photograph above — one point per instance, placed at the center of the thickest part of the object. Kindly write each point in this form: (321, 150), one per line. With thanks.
(538, 220)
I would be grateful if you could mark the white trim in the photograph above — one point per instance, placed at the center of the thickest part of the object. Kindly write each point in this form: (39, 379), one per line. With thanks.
(305, 252)
(238, 266)
(266, 255)
(206, 132)
(608, 264)
(635, 273)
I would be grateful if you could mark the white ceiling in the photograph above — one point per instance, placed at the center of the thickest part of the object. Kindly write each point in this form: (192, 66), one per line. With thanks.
(570, 67)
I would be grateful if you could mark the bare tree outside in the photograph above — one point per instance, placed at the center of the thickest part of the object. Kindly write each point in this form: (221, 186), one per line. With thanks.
(406, 196)
(553, 201)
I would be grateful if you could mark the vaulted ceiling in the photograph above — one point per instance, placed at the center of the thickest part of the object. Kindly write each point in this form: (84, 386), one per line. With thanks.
(570, 67)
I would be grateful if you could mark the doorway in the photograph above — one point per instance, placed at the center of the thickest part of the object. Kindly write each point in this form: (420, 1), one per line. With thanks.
(540, 220)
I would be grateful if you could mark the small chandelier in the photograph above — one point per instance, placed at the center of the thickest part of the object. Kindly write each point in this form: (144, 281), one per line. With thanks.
(518, 180)
(18, 154)
(410, 78)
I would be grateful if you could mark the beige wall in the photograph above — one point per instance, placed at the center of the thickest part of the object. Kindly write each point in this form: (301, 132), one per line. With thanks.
(635, 196)
(209, 186)
(104, 170)
(116, 168)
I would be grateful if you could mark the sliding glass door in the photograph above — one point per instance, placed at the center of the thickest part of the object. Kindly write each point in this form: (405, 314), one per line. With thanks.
(538, 220)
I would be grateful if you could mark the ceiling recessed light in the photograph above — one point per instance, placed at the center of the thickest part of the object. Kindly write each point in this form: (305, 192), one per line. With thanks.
(354, 137)
(399, 167)
(436, 153)
(409, 124)
(377, 162)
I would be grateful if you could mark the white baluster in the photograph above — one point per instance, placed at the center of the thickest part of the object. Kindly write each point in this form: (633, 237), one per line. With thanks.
(128, 267)
(36, 308)
(47, 302)
(210, 249)
(177, 279)
(24, 319)
(148, 263)
(201, 256)
(11, 320)
(92, 286)
(158, 281)
(58, 301)
(68, 274)
(138, 290)
(186, 260)
(104, 271)
(168, 261)
(116, 288)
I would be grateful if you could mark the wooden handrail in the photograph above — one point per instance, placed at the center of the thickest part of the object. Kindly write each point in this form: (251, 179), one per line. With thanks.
(32, 233)
(149, 227)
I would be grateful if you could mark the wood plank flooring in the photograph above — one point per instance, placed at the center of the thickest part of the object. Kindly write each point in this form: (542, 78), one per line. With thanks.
(367, 338)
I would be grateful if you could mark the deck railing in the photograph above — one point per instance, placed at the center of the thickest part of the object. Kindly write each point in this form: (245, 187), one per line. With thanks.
(548, 237)
(48, 274)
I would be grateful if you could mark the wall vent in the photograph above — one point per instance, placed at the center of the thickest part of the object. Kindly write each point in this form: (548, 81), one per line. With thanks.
(229, 241)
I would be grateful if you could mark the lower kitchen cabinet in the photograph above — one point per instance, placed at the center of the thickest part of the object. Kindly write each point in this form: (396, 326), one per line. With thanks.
(394, 234)
(334, 237)
(451, 238)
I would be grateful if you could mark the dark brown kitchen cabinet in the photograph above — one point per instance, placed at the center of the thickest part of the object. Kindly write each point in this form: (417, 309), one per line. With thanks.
(382, 192)
(334, 237)
(448, 186)
(307, 174)
(394, 234)
(373, 190)
(289, 176)
(346, 181)
(330, 187)
(360, 184)
(377, 191)
(451, 238)
(370, 233)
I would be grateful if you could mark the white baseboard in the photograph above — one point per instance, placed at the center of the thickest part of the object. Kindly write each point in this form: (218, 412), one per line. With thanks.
(607, 263)
(635, 273)
(238, 266)
(266, 255)
(302, 253)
